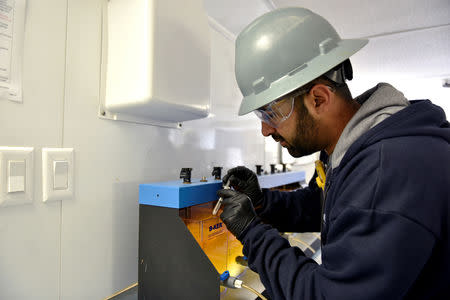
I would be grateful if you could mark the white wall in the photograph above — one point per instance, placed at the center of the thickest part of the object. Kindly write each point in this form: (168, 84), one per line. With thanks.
(87, 248)
(30, 234)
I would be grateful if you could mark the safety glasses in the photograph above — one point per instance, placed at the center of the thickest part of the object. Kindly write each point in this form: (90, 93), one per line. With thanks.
(278, 111)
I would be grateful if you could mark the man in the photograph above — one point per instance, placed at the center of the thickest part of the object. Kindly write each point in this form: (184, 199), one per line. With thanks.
(384, 210)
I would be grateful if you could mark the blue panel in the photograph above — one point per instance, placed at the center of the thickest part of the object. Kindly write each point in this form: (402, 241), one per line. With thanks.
(176, 194)
(279, 179)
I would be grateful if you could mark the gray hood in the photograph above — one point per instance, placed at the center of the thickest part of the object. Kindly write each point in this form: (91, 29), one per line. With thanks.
(377, 104)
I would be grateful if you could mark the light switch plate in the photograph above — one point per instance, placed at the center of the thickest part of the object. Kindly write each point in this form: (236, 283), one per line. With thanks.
(60, 175)
(16, 175)
(57, 174)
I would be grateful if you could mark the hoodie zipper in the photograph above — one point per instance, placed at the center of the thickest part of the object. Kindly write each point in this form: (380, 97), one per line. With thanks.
(328, 181)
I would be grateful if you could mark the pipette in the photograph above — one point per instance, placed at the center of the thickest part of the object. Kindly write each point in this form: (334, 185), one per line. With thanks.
(219, 202)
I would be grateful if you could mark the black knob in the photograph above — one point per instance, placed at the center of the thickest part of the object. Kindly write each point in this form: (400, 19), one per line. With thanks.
(217, 173)
(272, 168)
(186, 175)
(259, 169)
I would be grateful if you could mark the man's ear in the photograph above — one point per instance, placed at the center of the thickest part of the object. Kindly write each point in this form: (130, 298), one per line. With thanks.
(318, 99)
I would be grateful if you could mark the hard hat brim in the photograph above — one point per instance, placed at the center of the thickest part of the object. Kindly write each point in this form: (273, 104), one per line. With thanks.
(314, 69)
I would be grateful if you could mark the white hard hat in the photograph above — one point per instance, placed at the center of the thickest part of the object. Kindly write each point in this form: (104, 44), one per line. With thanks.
(283, 50)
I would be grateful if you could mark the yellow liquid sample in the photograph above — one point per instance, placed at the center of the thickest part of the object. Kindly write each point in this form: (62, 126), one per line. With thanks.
(211, 234)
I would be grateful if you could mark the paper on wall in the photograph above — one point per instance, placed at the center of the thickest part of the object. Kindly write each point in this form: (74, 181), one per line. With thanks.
(12, 31)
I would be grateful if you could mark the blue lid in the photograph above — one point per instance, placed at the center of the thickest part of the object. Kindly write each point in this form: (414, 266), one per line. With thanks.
(279, 179)
(176, 194)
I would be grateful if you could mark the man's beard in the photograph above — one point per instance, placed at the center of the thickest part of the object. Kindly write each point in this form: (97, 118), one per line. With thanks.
(303, 143)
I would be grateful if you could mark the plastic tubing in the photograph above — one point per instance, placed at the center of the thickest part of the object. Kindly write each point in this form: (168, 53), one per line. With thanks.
(254, 291)
(120, 292)
(304, 244)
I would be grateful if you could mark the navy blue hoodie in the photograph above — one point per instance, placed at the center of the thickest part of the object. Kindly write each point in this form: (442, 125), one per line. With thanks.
(385, 221)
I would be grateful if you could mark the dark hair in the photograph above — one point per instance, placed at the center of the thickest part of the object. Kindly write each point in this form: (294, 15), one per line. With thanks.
(335, 78)
(341, 89)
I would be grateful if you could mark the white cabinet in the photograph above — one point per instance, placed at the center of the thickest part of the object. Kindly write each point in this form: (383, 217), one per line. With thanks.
(156, 61)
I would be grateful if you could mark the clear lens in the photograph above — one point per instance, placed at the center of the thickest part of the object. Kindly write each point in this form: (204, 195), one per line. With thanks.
(277, 111)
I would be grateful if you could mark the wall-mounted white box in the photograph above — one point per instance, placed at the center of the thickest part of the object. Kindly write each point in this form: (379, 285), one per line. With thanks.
(16, 175)
(57, 174)
(155, 61)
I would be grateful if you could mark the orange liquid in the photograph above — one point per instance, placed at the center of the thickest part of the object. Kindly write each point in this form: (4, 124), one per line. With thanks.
(211, 234)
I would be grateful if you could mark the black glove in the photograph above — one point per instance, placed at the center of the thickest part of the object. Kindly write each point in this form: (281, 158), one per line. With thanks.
(245, 181)
(238, 211)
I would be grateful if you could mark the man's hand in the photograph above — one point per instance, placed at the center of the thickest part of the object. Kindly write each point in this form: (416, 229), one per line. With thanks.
(238, 211)
(245, 181)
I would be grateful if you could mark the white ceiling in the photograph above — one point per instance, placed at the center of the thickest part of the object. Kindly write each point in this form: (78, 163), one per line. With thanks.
(409, 39)
(365, 18)
(234, 15)
(351, 18)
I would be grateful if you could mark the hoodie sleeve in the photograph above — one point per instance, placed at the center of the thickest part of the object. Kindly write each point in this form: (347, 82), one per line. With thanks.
(369, 255)
(296, 211)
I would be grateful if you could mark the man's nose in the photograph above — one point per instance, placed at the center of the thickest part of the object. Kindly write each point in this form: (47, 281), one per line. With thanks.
(266, 129)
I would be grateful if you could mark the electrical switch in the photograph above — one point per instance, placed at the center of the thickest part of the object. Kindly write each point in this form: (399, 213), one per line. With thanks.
(16, 176)
(57, 174)
(61, 174)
